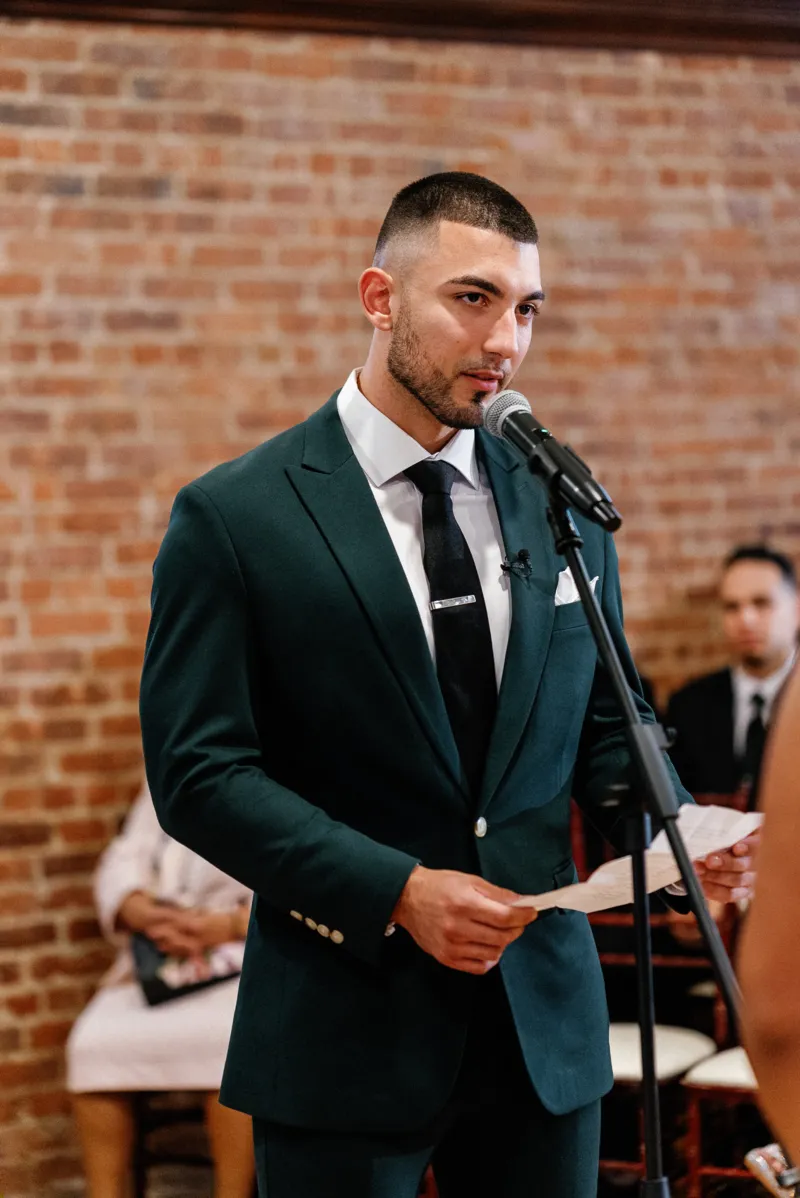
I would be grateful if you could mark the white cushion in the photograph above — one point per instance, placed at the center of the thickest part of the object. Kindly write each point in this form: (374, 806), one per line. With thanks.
(677, 1049)
(729, 1068)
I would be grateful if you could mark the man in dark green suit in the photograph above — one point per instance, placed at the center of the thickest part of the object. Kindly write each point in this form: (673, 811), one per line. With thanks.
(388, 769)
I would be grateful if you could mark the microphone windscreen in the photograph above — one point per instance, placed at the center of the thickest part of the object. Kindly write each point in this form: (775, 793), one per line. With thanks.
(495, 412)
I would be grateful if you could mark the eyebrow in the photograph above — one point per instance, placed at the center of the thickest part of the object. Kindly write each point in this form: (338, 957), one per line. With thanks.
(492, 288)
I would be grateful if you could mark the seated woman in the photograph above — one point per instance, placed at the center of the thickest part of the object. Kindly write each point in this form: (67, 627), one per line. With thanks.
(148, 883)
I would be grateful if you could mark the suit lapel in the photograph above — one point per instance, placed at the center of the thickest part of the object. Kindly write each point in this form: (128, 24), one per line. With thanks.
(521, 508)
(337, 496)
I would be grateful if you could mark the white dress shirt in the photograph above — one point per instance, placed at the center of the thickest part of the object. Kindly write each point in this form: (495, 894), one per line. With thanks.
(744, 687)
(384, 451)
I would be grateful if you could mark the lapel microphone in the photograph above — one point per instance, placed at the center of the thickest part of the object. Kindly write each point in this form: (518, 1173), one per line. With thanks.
(519, 564)
(509, 417)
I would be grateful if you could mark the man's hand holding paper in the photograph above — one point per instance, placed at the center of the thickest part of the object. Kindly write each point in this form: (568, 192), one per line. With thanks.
(720, 841)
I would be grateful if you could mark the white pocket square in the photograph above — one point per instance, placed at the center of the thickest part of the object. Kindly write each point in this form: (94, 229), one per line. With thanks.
(567, 590)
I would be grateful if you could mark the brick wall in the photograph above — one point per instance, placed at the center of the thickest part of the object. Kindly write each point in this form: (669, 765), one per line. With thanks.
(183, 216)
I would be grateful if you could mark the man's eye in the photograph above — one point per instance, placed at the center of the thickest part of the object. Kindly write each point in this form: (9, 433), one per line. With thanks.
(528, 310)
(473, 298)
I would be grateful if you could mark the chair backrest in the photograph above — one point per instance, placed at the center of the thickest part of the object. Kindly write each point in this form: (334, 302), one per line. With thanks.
(589, 850)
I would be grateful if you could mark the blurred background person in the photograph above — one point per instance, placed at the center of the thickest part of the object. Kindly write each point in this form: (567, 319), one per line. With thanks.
(148, 884)
(720, 719)
(769, 966)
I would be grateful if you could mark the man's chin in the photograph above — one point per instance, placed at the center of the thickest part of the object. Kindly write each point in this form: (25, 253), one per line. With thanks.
(468, 418)
(753, 661)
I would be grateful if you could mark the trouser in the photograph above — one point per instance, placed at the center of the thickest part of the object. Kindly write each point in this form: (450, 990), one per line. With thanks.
(494, 1139)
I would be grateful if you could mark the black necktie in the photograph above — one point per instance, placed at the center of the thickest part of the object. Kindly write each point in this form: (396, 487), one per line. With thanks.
(754, 748)
(464, 659)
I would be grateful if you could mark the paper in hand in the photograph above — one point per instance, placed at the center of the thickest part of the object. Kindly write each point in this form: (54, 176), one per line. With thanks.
(704, 830)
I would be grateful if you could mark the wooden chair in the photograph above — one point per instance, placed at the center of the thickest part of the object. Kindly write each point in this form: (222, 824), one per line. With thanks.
(622, 956)
(678, 1049)
(726, 1080)
(156, 1113)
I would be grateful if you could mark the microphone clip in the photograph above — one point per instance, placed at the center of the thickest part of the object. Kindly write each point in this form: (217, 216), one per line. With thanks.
(519, 564)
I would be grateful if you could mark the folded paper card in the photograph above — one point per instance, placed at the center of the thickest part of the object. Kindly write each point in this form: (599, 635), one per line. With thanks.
(704, 830)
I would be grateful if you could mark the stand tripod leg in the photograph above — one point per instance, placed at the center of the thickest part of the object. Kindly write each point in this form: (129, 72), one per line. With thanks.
(654, 1184)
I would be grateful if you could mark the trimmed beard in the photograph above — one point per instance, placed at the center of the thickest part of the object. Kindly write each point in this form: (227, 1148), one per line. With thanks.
(409, 366)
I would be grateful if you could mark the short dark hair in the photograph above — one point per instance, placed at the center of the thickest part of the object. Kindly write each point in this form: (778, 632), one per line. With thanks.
(461, 197)
(763, 553)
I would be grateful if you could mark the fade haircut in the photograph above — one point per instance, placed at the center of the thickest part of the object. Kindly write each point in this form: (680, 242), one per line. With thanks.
(763, 553)
(457, 196)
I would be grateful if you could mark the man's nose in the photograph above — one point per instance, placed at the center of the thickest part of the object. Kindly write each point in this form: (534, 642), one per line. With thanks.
(503, 337)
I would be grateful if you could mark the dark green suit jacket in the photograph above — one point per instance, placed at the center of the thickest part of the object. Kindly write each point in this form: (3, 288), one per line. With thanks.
(295, 735)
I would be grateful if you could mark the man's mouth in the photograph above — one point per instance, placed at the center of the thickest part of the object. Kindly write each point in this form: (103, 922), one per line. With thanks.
(485, 380)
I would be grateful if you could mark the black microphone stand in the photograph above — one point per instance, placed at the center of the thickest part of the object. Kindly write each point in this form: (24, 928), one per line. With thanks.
(655, 797)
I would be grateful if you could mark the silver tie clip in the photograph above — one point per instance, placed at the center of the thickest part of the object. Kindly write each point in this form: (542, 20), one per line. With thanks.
(460, 601)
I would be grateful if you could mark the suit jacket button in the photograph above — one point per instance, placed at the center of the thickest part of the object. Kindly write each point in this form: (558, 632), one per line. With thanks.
(336, 936)
(311, 923)
(323, 931)
(480, 826)
(295, 915)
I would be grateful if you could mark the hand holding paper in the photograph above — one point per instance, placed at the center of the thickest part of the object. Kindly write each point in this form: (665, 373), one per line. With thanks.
(705, 830)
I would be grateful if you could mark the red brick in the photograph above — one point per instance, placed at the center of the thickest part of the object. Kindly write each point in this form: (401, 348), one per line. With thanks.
(120, 657)
(77, 894)
(13, 80)
(15, 1075)
(108, 761)
(15, 869)
(64, 864)
(15, 834)
(27, 935)
(80, 930)
(53, 965)
(80, 83)
(125, 725)
(21, 45)
(17, 902)
(70, 998)
(19, 284)
(221, 257)
(44, 1106)
(50, 1035)
(54, 730)
(66, 624)
(10, 1039)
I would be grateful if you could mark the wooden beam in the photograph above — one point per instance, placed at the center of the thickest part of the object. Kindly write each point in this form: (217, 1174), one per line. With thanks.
(760, 27)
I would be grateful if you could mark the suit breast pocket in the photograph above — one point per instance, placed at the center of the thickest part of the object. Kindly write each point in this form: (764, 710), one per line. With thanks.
(569, 615)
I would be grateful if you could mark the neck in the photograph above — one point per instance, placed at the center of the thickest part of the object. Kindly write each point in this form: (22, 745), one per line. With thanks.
(402, 408)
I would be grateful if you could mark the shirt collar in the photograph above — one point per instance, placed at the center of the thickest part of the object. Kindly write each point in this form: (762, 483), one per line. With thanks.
(746, 685)
(382, 448)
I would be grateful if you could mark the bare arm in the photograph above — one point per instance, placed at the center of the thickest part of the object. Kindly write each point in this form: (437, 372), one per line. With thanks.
(769, 963)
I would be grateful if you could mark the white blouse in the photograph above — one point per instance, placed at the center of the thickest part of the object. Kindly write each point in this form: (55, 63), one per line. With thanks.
(143, 857)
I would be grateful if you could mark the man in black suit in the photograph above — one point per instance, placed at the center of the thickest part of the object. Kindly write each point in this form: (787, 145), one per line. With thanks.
(720, 720)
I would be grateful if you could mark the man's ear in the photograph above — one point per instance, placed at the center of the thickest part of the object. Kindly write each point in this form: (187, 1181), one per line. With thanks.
(375, 289)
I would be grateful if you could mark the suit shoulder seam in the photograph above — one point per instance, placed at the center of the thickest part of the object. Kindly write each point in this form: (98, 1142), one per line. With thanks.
(195, 486)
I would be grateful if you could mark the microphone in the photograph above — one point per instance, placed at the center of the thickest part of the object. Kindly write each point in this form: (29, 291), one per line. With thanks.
(509, 417)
